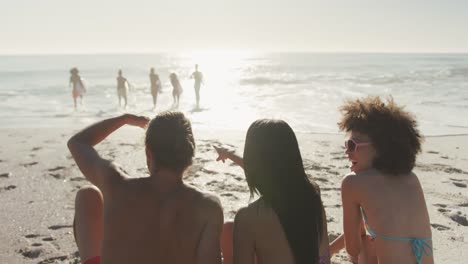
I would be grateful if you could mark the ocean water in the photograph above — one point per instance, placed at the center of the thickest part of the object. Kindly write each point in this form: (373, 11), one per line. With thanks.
(304, 89)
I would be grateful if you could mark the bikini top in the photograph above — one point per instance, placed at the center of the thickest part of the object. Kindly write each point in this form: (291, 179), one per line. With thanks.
(419, 246)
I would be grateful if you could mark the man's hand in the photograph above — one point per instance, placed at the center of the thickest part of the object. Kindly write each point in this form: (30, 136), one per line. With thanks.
(139, 121)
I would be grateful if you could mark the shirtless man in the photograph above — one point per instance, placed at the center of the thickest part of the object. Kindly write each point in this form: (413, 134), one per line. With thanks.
(155, 219)
(122, 88)
(198, 76)
(155, 86)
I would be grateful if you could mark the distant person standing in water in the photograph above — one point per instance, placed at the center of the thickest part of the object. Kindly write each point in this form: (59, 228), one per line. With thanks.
(198, 76)
(155, 86)
(122, 84)
(176, 89)
(77, 84)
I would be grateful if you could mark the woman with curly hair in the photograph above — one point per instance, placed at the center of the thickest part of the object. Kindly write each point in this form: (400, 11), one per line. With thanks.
(382, 195)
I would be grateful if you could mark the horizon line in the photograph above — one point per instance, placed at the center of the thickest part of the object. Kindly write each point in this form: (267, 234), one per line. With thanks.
(229, 50)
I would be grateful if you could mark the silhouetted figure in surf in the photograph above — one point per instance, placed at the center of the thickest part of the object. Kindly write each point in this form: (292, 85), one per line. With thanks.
(78, 88)
(198, 76)
(176, 89)
(155, 86)
(122, 86)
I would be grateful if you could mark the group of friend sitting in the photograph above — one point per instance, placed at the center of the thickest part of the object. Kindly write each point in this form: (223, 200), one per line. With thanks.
(160, 219)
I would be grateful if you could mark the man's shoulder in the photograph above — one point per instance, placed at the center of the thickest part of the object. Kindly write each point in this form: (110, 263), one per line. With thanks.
(206, 203)
(209, 201)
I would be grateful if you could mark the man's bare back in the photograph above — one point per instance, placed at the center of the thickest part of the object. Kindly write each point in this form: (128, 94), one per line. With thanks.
(156, 219)
(140, 226)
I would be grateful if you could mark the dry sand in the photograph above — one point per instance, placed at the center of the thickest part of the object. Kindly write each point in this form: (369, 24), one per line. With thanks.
(39, 180)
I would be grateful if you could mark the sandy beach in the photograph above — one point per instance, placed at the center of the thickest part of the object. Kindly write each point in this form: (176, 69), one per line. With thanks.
(39, 180)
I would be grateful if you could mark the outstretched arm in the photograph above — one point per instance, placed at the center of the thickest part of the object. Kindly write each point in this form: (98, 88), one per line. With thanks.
(97, 170)
(224, 154)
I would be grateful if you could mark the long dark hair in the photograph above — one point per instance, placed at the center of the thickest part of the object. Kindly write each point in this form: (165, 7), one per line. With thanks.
(274, 169)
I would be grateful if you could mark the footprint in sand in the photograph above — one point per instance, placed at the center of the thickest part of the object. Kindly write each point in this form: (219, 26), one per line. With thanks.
(6, 175)
(127, 144)
(432, 152)
(231, 195)
(31, 253)
(56, 227)
(78, 179)
(440, 227)
(48, 239)
(208, 171)
(238, 178)
(441, 208)
(7, 188)
(454, 170)
(458, 217)
(320, 179)
(56, 175)
(459, 184)
(39, 248)
(31, 236)
(55, 260)
(330, 189)
(57, 168)
(211, 183)
(36, 148)
(29, 164)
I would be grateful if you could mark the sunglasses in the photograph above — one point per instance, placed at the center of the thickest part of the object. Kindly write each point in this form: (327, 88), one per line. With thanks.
(352, 146)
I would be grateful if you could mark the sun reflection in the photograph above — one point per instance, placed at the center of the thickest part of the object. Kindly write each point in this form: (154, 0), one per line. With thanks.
(219, 66)
(222, 71)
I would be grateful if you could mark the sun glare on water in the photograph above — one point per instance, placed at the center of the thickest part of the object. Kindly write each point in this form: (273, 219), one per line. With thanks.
(222, 71)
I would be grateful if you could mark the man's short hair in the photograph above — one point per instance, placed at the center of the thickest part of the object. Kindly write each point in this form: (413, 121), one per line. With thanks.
(170, 139)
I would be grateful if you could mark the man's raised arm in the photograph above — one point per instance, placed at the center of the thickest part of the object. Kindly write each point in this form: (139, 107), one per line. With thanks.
(96, 169)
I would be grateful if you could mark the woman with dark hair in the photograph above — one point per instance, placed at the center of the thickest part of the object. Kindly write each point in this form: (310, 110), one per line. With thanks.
(78, 87)
(287, 224)
(176, 89)
(382, 193)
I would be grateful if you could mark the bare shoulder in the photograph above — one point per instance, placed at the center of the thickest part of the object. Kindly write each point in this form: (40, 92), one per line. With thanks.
(210, 201)
(351, 185)
(208, 204)
(349, 179)
(250, 212)
(244, 215)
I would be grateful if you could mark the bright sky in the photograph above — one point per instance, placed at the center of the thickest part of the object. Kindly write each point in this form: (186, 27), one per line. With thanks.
(104, 26)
